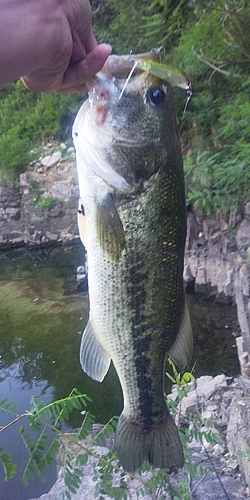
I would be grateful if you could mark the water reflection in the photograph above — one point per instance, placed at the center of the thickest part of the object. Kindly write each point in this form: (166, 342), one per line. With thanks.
(41, 320)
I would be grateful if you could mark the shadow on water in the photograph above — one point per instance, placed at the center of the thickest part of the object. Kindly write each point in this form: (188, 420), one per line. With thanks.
(41, 320)
(215, 328)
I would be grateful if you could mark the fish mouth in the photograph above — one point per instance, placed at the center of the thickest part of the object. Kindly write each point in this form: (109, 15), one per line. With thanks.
(121, 76)
(122, 140)
(116, 134)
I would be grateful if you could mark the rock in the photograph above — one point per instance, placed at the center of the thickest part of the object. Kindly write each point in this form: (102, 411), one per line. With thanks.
(80, 270)
(13, 213)
(51, 236)
(235, 217)
(243, 234)
(199, 397)
(24, 216)
(23, 179)
(247, 211)
(242, 355)
(61, 191)
(218, 450)
(238, 434)
(242, 298)
(210, 226)
(51, 160)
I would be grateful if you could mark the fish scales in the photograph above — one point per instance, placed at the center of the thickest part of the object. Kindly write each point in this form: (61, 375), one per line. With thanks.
(135, 241)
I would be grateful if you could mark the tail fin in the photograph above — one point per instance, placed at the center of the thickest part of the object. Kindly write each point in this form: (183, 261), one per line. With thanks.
(160, 446)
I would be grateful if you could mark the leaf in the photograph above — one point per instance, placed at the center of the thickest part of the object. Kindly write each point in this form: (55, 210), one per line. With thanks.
(81, 459)
(87, 423)
(8, 467)
(8, 406)
(187, 377)
(53, 449)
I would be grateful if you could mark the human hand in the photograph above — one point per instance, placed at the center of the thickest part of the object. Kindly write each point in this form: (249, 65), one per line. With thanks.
(72, 56)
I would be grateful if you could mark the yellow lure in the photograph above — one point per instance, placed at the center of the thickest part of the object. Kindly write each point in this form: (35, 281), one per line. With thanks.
(171, 75)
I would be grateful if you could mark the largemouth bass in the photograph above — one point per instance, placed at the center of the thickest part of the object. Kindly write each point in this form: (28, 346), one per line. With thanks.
(132, 222)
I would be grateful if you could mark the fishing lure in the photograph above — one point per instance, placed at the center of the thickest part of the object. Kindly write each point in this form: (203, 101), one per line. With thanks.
(171, 75)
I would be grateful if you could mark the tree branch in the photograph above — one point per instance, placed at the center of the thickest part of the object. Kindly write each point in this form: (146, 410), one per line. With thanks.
(216, 68)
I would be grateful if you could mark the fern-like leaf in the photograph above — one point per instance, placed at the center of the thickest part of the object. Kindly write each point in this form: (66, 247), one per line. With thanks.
(7, 406)
(106, 431)
(36, 462)
(51, 454)
(86, 426)
(8, 466)
(59, 410)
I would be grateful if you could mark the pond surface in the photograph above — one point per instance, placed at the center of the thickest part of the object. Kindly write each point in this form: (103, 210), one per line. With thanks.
(41, 320)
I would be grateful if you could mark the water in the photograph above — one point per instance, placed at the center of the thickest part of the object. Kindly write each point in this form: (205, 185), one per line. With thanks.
(41, 323)
(41, 320)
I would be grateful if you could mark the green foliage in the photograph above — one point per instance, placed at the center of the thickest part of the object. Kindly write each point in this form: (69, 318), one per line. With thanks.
(7, 406)
(27, 119)
(78, 449)
(46, 202)
(181, 379)
(40, 417)
(8, 467)
(215, 54)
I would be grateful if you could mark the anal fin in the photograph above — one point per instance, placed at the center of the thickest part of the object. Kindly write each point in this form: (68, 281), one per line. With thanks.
(94, 359)
(109, 229)
(182, 349)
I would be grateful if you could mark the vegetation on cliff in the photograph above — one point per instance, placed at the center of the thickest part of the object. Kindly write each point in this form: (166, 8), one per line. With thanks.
(209, 41)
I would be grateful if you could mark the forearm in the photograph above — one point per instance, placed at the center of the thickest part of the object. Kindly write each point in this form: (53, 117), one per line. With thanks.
(28, 35)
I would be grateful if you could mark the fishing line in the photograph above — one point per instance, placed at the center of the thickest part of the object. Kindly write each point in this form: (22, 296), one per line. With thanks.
(128, 78)
(189, 95)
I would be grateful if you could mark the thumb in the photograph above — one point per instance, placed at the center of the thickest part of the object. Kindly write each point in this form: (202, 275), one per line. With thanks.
(78, 73)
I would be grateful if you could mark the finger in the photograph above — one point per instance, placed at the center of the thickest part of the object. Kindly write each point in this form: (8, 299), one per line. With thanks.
(78, 50)
(78, 74)
(81, 89)
(89, 42)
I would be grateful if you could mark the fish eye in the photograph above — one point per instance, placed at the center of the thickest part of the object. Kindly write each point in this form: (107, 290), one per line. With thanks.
(156, 96)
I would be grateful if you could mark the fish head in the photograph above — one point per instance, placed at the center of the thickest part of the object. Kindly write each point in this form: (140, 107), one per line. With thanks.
(129, 121)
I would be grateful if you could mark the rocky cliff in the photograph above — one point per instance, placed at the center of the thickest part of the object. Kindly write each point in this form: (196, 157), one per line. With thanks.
(42, 209)
(217, 263)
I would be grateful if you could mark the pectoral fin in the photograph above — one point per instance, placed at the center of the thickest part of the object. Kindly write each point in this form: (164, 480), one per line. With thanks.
(110, 232)
(182, 349)
(94, 359)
